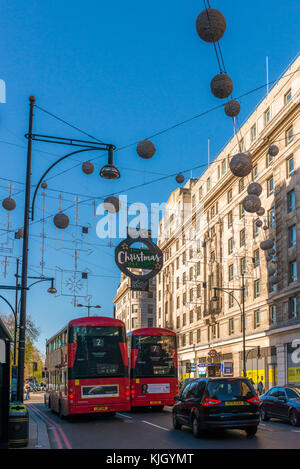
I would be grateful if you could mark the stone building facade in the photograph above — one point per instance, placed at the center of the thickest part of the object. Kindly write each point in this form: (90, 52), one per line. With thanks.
(212, 248)
(135, 308)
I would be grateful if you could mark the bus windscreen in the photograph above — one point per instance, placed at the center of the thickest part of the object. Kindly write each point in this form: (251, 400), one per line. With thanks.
(154, 356)
(98, 352)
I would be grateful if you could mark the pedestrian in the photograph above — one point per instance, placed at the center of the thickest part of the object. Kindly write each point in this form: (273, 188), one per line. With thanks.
(27, 389)
(260, 387)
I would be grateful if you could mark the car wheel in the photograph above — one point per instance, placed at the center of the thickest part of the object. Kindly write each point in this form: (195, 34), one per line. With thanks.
(176, 425)
(263, 414)
(195, 427)
(251, 431)
(294, 420)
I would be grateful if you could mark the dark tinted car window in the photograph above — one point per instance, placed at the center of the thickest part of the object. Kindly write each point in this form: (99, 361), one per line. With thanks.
(280, 392)
(186, 390)
(227, 390)
(293, 393)
(273, 392)
(200, 389)
(192, 391)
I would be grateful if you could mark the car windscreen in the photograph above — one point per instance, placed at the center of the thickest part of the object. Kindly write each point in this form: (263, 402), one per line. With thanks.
(293, 393)
(155, 356)
(229, 390)
(98, 352)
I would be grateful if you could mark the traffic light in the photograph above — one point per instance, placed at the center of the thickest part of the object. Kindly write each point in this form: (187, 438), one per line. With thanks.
(188, 367)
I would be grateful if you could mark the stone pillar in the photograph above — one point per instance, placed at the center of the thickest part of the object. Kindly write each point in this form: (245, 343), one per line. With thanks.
(281, 364)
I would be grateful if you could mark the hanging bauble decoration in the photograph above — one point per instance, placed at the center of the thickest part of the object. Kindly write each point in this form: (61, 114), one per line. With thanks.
(258, 223)
(272, 252)
(254, 188)
(232, 108)
(271, 270)
(221, 86)
(267, 244)
(61, 220)
(273, 279)
(145, 149)
(44, 185)
(180, 178)
(9, 204)
(265, 227)
(273, 150)
(112, 204)
(20, 233)
(87, 167)
(241, 164)
(251, 203)
(268, 258)
(260, 212)
(210, 25)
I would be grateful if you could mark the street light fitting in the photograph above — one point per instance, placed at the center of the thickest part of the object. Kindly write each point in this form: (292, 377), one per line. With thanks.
(52, 290)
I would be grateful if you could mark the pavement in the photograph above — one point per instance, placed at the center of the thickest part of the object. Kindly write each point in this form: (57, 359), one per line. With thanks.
(38, 433)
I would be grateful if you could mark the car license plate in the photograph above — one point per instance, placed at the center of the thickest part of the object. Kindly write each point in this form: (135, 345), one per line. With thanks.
(155, 402)
(99, 409)
(234, 403)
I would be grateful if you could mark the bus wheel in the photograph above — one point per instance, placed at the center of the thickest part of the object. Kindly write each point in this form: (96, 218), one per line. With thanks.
(158, 408)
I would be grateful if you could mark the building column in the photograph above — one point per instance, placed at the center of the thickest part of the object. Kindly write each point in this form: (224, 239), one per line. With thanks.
(281, 364)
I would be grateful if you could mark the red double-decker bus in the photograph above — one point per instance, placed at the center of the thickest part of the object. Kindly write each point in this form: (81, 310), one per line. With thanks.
(153, 367)
(87, 367)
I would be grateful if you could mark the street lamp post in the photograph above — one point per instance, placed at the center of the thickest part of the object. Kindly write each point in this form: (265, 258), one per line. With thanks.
(242, 309)
(88, 307)
(109, 171)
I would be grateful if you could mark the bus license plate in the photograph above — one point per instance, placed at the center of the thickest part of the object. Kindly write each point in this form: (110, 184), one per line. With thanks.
(155, 402)
(234, 403)
(99, 409)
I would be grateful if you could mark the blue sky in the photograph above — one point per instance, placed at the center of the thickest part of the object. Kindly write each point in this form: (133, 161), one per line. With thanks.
(121, 71)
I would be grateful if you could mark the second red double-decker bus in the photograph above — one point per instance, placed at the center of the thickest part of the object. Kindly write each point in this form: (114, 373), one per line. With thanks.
(87, 367)
(153, 367)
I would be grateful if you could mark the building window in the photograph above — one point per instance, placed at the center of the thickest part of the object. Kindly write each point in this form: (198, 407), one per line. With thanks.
(253, 133)
(271, 217)
(198, 290)
(150, 322)
(256, 319)
(230, 219)
(242, 237)
(272, 310)
(269, 159)
(243, 265)
(230, 246)
(198, 335)
(223, 166)
(198, 267)
(159, 313)
(229, 196)
(191, 294)
(184, 299)
(191, 338)
(255, 228)
(183, 340)
(184, 319)
(213, 256)
(241, 184)
(177, 262)
(214, 331)
(134, 323)
(288, 97)
(231, 299)
(267, 116)
(292, 307)
(178, 322)
(291, 201)
(256, 288)
(292, 236)
(191, 273)
(241, 145)
(290, 167)
(241, 210)
(292, 271)
(200, 192)
(255, 172)
(198, 313)
(270, 186)
(256, 258)
(289, 136)
(230, 272)
(191, 316)
(178, 302)
(231, 326)
(208, 184)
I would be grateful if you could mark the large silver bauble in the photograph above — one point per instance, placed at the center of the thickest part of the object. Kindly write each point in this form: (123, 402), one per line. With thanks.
(251, 203)
(88, 167)
(61, 220)
(221, 86)
(9, 204)
(232, 108)
(260, 212)
(210, 25)
(241, 164)
(273, 150)
(146, 149)
(180, 178)
(254, 188)
(112, 204)
(267, 244)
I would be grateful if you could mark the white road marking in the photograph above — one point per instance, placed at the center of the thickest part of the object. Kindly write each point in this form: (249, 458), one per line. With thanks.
(124, 415)
(162, 428)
